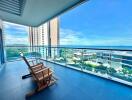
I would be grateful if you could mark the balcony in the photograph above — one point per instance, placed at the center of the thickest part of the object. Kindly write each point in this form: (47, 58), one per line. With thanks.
(112, 64)
(83, 73)
(71, 85)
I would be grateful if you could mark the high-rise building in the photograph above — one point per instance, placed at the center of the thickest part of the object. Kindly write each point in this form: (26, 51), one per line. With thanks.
(44, 35)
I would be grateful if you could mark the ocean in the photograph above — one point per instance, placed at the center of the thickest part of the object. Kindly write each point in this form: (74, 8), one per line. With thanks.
(99, 47)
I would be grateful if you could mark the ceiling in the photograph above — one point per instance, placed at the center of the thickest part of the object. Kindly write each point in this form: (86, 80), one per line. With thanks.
(34, 12)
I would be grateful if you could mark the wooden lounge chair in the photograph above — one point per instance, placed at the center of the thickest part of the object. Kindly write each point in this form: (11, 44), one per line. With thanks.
(35, 64)
(43, 78)
(41, 75)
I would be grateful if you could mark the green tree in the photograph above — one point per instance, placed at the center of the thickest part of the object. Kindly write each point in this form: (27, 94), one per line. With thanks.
(13, 52)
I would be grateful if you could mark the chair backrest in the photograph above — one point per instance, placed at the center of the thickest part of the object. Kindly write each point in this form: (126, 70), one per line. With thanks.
(38, 72)
(31, 63)
(24, 58)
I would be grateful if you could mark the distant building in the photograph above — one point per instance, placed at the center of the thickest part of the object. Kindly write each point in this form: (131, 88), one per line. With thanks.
(116, 59)
(44, 35)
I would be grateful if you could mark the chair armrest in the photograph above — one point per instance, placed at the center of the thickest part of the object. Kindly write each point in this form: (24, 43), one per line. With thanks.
(37, 65)
(44, 69)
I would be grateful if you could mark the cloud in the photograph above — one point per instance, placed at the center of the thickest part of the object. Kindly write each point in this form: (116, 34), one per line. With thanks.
(15, 34)
(15, 29)
(10, 25)
(9, 39)
(71, 37)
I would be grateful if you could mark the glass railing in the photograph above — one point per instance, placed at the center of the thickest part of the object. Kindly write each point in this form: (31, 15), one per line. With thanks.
(13, 52)
(108, 63)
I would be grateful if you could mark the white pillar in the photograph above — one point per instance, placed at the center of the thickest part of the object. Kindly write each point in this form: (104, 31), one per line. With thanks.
(1, 25)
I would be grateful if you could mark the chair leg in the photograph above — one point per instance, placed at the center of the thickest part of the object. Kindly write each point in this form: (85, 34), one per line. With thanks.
(26, 76)
(41, 85)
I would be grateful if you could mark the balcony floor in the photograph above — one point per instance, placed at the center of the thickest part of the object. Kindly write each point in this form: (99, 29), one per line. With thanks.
(72, 85)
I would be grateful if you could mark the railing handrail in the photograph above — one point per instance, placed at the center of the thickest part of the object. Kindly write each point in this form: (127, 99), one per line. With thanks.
(66, 47)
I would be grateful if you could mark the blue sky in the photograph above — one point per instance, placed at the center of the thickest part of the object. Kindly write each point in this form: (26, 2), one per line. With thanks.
(15, 34)
(98, 22)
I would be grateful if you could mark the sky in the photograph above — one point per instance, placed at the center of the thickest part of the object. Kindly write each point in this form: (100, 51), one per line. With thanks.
(96, 22)
(15, 34)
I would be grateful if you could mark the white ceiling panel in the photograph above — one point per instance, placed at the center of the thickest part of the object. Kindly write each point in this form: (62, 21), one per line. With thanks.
(34, 12)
